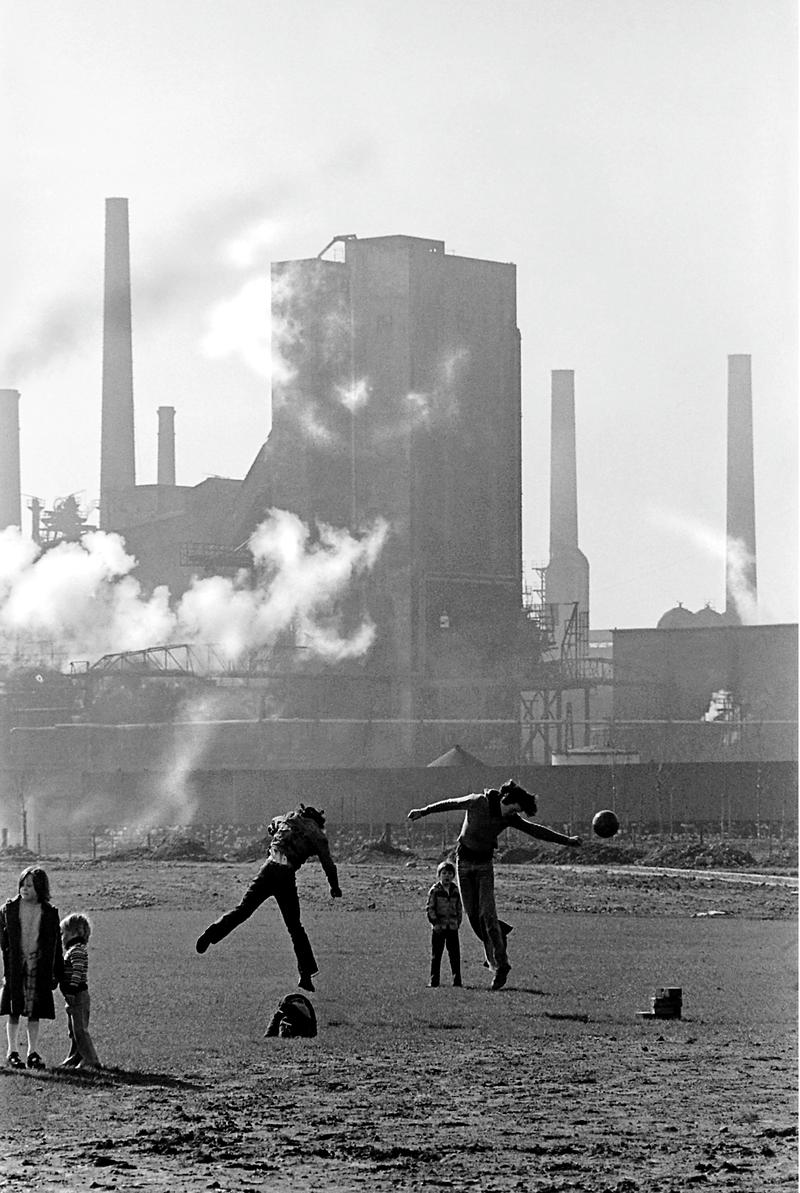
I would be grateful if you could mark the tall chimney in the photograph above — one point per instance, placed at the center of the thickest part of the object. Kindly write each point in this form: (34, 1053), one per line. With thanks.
(117, 467)
(740, 570)
(166, 445)
(567, 573)
(10, 503)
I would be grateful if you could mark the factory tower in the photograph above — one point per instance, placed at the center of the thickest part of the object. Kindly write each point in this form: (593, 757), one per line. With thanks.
(741, 590)
(117, 468)
(10, 508)
(567, 573)
(397, 396)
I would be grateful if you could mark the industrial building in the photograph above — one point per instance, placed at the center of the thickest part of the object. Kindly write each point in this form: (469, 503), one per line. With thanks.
(397, 398)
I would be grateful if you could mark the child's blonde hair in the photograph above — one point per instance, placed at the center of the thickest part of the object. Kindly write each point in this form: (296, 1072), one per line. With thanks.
(446, 865)
(76, 927)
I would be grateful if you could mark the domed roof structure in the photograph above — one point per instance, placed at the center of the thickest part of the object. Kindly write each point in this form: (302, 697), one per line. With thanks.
(708, 617)
(677, 618)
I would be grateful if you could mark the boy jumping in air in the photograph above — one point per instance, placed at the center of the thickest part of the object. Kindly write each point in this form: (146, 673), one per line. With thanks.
(296, 836)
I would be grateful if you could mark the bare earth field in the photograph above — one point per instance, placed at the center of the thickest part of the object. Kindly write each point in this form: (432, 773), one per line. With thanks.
(553, 1084)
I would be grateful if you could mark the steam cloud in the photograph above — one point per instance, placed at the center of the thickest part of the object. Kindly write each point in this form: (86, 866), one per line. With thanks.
(739, 568)
(83, 598)
(734, 557)
(181, 271)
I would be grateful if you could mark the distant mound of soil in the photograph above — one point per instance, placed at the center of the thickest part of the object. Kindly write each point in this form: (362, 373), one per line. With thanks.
(136, 853)
(698, 856)
(20, 852)
(172, 849)
(381, 851)
(692, 855)
(591, 853)
(251, 851)
(187, 849)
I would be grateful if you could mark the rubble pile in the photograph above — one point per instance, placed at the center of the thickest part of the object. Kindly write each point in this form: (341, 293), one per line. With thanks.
(696, 855)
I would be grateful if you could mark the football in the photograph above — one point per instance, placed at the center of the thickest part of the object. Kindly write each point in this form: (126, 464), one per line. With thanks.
(605, 823)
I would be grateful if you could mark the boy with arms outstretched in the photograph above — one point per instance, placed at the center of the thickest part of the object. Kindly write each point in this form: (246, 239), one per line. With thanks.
(487, 815)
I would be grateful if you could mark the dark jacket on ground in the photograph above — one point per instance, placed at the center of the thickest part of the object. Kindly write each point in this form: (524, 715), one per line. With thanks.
(50, 965)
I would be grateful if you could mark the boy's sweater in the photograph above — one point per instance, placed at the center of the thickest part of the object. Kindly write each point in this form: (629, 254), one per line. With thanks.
(76, 969)
(444, 906)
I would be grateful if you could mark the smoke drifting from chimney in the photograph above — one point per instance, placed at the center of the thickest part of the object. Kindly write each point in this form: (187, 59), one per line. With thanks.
(83, 598)
(731, 553)
(741, 508)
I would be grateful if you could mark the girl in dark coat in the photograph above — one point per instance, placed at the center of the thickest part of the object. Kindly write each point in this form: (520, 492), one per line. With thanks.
(33, 962)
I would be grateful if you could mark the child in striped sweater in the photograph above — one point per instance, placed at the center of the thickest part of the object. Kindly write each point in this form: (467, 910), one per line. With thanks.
(75, 933)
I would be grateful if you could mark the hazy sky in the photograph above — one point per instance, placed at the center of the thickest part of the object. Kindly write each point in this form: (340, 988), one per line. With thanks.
(636, 159)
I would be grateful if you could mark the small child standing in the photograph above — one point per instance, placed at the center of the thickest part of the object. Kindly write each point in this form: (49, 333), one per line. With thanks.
(444, 916)
(75, 933)
(32, 962)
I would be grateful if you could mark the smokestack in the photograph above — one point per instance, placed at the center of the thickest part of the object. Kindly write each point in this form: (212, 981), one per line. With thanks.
(567, 574)
(166, 445)
(117, 467)
(10, 503)
(740, 571)
(563, 467)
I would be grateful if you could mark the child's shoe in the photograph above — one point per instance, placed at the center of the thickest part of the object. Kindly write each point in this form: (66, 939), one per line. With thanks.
(35, 1061)
(457, 981)
(15, 1061)
(305, 982)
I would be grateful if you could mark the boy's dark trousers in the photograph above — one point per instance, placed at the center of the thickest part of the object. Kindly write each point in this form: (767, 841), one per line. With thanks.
(279, 882)
(445, 937)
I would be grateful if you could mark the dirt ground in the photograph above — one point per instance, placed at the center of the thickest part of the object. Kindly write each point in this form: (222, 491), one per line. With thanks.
(555, 1083)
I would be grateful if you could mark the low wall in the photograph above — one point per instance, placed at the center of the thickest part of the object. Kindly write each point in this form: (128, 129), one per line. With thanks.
(721, 794)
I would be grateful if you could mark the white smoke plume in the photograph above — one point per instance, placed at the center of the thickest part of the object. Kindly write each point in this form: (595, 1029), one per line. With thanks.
(78, 595)
(730, 553)
(239, 326)
(180, 270)
(738, 570)
(439, 405)
(173, 799)
(83, 597)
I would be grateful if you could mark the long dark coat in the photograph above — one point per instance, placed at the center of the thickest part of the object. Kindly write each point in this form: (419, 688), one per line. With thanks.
(49, 969)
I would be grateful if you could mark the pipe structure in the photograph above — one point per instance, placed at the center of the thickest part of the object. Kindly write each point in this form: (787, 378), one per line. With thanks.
(10, 500)
(166, 445)
(740, 569)
(117, 466)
